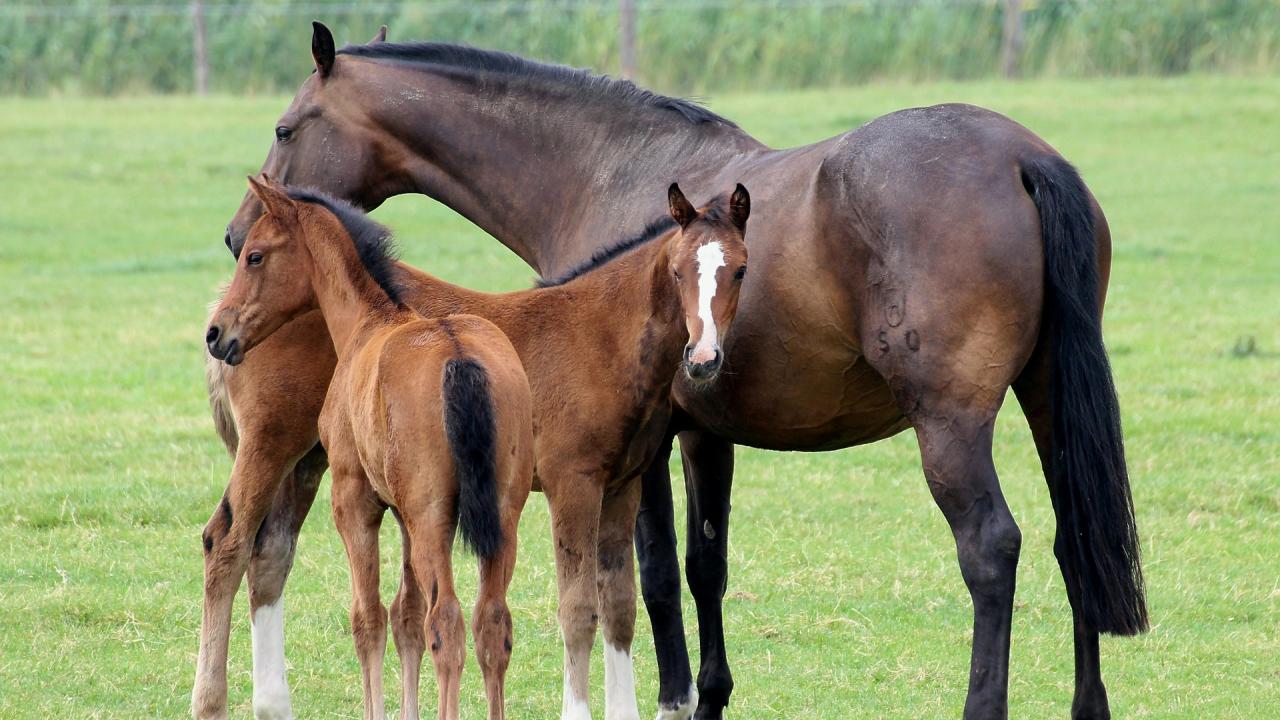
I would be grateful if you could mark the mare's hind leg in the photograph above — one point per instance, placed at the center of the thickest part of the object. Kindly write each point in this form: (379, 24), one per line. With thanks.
(616, 586)
(408, 613)
(708, 476)
(269, 565)
(357, 513)
(955, 446)
(1032, 390)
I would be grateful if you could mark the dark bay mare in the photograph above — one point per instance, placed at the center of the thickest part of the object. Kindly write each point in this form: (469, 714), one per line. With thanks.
(905, 275)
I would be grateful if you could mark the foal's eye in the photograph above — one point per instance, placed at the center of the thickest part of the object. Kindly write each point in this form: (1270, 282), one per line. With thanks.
(742, 272)
(677, 274)
(283, 133)
(255, 258)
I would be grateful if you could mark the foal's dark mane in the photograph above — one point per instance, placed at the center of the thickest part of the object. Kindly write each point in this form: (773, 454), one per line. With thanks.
(603, 255)
(374, 244)
(582, 82)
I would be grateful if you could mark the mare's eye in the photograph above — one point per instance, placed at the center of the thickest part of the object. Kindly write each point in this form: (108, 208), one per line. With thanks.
(255, 258)
(742, 272)
(283, 133)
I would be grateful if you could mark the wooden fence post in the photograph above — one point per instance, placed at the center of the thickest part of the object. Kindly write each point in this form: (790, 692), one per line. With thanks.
(1011, 50)
(627, 37)
(200, 47)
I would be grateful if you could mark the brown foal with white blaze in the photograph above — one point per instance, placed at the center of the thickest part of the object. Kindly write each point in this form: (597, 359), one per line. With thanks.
(601, 346)
(431, 418)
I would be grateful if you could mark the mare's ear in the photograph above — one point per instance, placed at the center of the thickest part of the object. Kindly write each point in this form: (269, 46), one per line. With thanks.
(740, 206)
(681, 210)
(381, 36)
(275, 200)
(322, 48)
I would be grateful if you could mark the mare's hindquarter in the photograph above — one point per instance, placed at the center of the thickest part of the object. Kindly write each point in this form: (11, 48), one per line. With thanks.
(900, 259)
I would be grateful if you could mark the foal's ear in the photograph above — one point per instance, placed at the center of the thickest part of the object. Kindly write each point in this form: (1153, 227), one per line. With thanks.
(681, 209)
(275, 200)
(739, 206)
(381, 36)
(322, 48)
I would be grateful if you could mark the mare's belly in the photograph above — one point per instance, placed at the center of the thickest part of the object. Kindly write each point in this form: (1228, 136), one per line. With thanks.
(800, 405)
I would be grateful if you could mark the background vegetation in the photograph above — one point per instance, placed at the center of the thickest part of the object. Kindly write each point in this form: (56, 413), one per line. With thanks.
(844, 596)
(113, 46)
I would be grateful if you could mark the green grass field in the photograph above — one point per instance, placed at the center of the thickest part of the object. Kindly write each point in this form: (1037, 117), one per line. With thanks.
(844, 601)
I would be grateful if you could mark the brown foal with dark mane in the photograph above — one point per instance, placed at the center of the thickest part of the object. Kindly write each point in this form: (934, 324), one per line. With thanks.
(639, 311)
(431, 418)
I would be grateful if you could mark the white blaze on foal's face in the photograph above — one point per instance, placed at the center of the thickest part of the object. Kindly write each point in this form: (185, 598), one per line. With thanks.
(707, 263)
(708, 259)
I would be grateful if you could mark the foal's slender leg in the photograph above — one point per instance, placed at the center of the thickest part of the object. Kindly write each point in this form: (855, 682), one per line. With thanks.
(708, 476)
(661, 585)
(575, 521)
(491, 620)
(357, 513)
(408, 614)
(955, 446)
(616, 583)
(269, 565)
(260, 465)
(431, 528)
(1032, 389)
(277, 394)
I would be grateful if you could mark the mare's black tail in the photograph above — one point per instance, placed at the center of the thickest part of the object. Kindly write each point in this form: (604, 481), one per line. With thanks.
(471, 429)
(1089, 483)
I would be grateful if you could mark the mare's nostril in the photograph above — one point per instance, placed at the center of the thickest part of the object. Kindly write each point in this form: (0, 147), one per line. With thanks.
(688, 353)
(211, 337)
(227, 238)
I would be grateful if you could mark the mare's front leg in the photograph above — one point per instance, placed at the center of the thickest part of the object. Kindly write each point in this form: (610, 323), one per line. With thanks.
(357, 513)
(708, 476)
(655, 541)
(574, 499)
(616, 585)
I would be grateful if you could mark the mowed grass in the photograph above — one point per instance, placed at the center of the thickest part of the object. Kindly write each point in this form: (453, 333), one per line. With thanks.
(844, 596)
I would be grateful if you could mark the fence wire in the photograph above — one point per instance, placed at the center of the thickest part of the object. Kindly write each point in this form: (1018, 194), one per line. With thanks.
(108, 46)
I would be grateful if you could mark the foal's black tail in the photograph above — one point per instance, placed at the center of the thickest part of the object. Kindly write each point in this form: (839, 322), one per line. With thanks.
(1089, 483)
(470, 427)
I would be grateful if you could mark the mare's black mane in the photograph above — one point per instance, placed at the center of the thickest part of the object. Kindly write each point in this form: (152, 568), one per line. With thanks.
(584, 82)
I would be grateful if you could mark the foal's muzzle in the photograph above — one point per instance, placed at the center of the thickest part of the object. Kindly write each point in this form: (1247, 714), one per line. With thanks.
(222, 348)
(701, 371)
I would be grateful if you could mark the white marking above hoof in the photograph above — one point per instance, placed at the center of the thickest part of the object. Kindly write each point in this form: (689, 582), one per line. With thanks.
(619, 685)
(270, 683)
(681, 710)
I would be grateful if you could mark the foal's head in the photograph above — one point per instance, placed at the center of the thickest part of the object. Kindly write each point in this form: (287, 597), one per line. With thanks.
(272, 284)
(708, 258)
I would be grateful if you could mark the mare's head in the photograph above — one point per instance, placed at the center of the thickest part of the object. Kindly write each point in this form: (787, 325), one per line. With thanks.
(324, 141)
(707, 257)
(272, 284)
